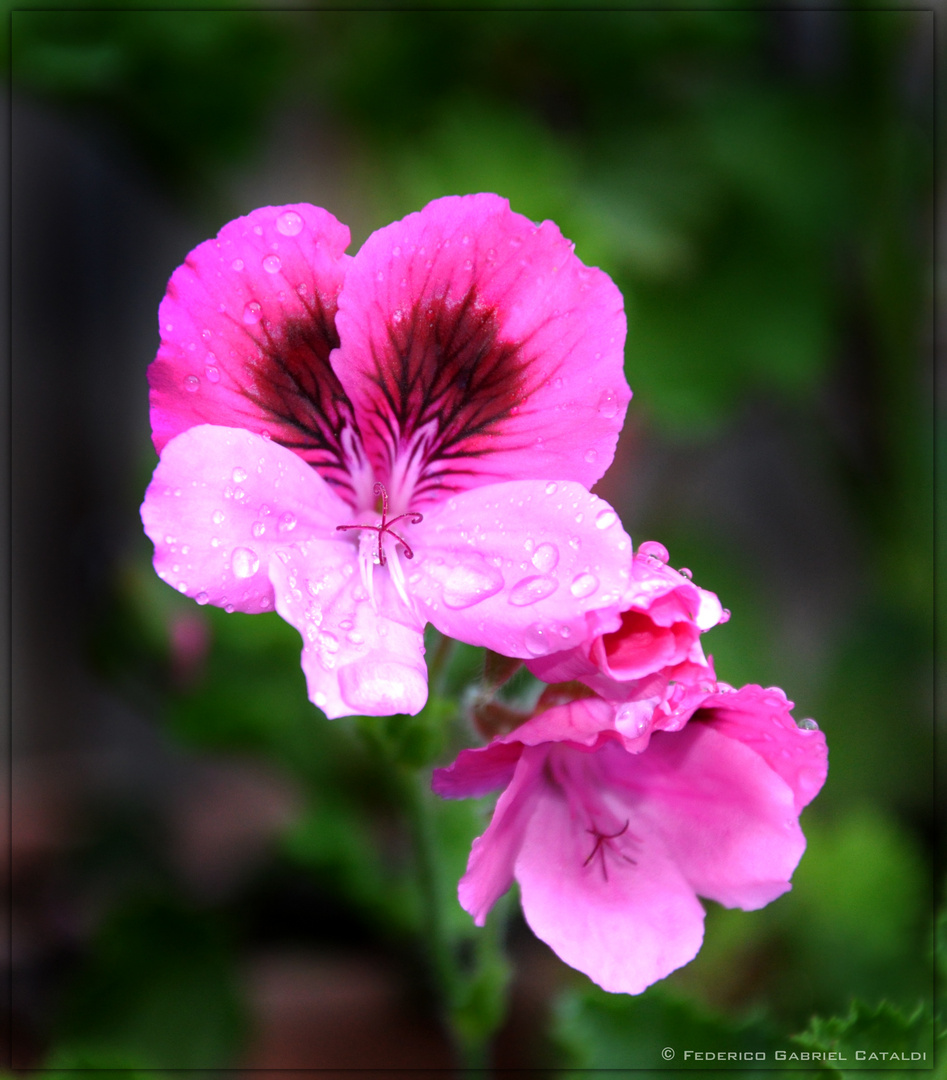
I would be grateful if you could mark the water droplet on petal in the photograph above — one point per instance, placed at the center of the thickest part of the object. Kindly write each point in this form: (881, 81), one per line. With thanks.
(244, 562)
(319, 699)
(329, 641)
(724, 617)
(604, 519)
(212, 373)
(182, 586)
(239, 475)
(237, 264)
(537, 641)
(192, 384)
(272, 264)
(258, 529)
(545, 557)
(583, 585)
(202, 598)
(252, 313)
(229, 608)
(684, 572)
(552, 488)
(608, 404)
(289, 223)
(217, 517)
(531, 590)
(591, 455)
(654, 550)
(470, 583)
(808, 724)
(287, 522)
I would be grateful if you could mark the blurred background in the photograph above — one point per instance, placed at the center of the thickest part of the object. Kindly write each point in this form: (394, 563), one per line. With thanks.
(205, 872)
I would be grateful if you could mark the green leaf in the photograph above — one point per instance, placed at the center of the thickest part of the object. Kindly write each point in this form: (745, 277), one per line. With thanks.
(874, 1038)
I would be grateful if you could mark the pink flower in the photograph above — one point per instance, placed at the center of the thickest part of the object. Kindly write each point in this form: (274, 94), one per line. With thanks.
(369, 443)
(652, 668)
(611, 848)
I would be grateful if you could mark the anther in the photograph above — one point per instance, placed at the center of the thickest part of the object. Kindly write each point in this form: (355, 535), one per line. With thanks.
(414, 517)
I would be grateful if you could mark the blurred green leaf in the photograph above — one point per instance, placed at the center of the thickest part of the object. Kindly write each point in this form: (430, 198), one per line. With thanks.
(158, 991)
(874, 1038)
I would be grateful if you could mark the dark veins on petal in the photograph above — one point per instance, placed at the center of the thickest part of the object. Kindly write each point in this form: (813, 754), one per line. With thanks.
(447, 373)
(293, 382)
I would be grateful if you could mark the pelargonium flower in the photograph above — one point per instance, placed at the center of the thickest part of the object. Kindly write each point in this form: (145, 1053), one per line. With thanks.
(651, 670)
(370, 443)
(611, 848)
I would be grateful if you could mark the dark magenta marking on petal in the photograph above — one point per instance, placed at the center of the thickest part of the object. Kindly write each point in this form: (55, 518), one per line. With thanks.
(448, 368)
(293, 382)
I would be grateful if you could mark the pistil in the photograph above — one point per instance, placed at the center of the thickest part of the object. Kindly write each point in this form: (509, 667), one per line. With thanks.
(413, 516)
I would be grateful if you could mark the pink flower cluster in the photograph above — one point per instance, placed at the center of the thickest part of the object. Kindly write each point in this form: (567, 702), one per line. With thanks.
(369, 443)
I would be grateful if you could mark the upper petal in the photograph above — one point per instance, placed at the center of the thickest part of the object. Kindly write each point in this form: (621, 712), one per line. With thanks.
(247, 326)
(221, 502)
(517, 566)
(477, 344)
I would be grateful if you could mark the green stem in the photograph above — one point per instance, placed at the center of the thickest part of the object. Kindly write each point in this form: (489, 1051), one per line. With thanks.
(471, 1020)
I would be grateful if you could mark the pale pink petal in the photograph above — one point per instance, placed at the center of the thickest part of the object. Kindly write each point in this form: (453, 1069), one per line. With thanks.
(761, 720)
(477, 771)
(723, 815)
(221, 502)
(517, 566)
(493, 855)
(615, 907)
(477, 348)
(247, 326)
(360, 657)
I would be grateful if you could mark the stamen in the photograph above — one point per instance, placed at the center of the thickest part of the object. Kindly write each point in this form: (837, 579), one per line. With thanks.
(599, 849)
(413, 516)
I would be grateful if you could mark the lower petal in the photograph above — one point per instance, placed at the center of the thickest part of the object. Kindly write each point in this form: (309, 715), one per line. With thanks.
(361, 655)
(624, 924)
(518, 566)
(220, 503)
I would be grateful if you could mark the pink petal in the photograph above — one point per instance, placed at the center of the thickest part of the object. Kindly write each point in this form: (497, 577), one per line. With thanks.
(517, 566)
(624, 924)
(247, 326)
(492, 856)
(359, 657)
(761, 720)
(221, 502)
(479, 339)
(723, 815)
(477, 771)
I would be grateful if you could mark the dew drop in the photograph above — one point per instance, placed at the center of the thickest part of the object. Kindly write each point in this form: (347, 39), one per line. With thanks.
(237, 264)
(252, 313)
(604, 519)
(319, 699)
(272, 264)
(608, 404)
(551, 488)
(182, 586)
(192, 384)
(537, 641)
(724, 617)
(654, 550)
(287, 522)
(807, 724)
(289, 223)
(545, 557)
(213, 375)
(239, 475)
(258, 529)
(229, 608)
(470, 583)
(244, 562)
(684, 572)
(217, 517)
(202, 598)
(329, 641)
(583, 585)
(531, 590)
